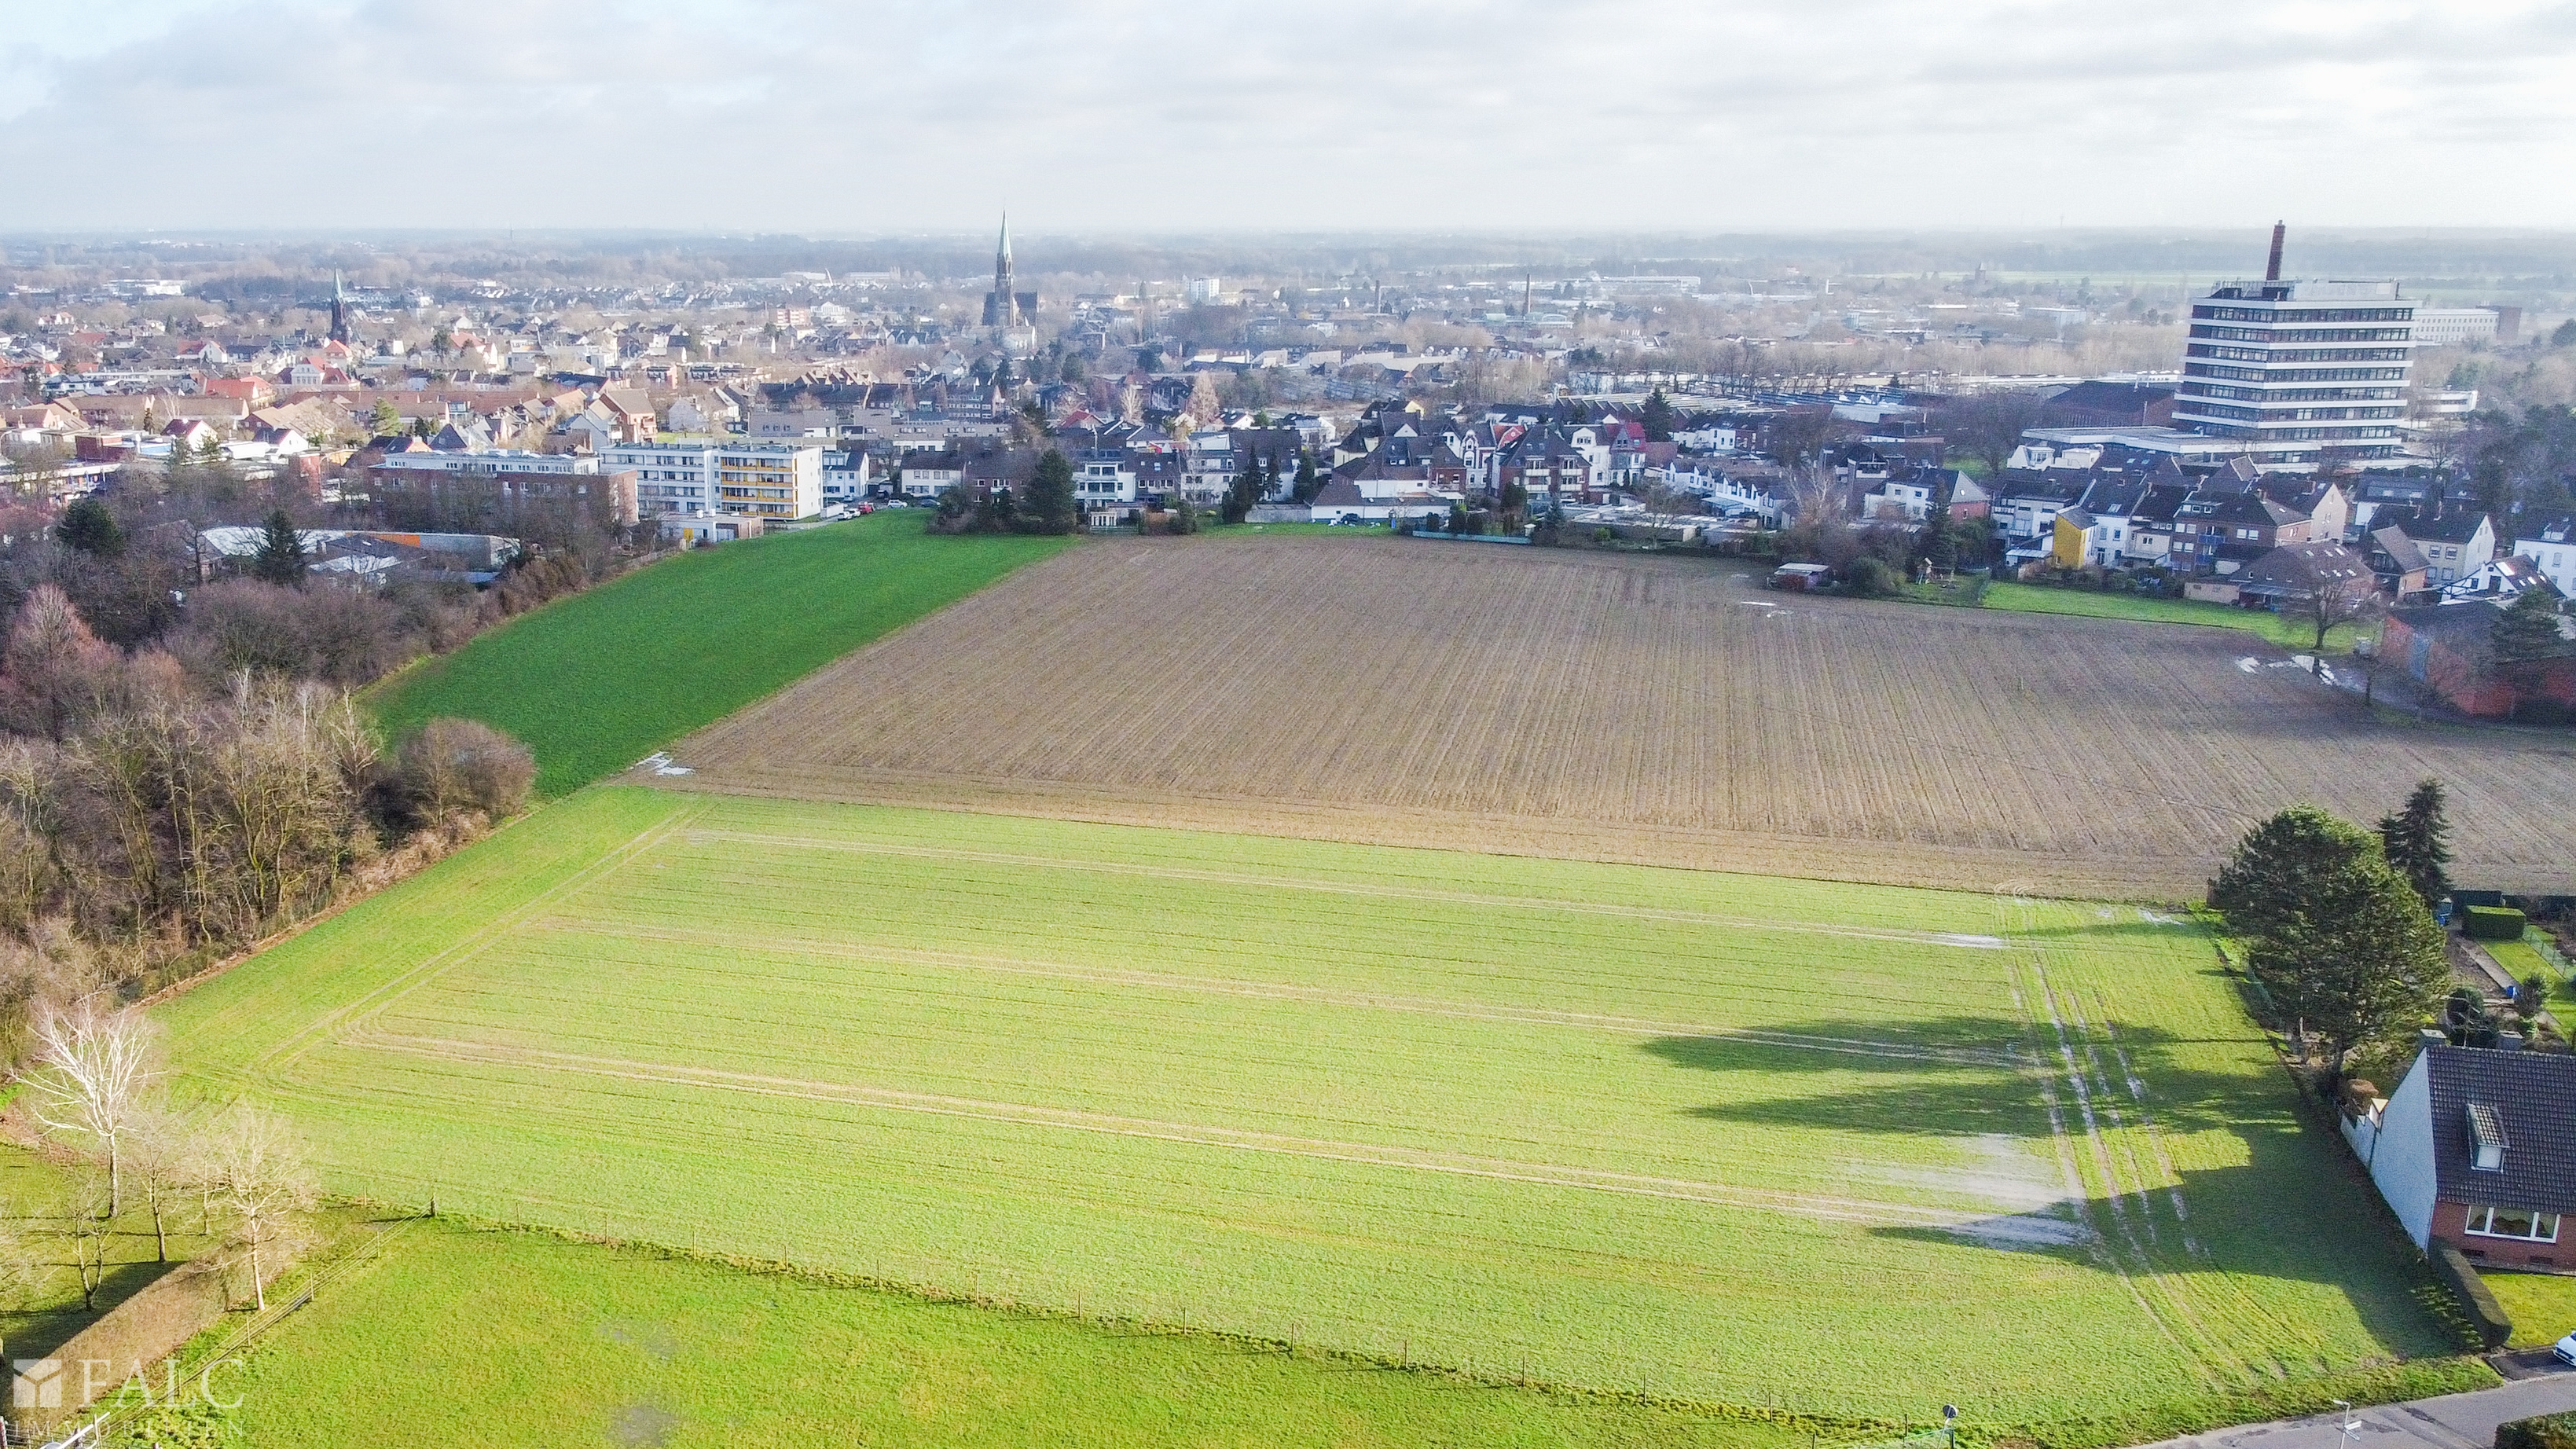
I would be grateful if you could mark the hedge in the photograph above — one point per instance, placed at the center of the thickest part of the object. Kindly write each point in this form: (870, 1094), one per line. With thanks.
(2542, 1431)
(2485, 1314)
(2492, 923)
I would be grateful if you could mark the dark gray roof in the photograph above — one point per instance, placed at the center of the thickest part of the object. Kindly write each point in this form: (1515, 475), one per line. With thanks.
(2532, 1096)
(2454, 527)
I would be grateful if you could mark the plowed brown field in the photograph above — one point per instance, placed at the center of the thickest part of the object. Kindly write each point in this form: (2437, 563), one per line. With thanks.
(1617, 707)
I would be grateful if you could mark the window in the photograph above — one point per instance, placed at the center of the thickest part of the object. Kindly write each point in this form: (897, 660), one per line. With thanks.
(2486, 1220)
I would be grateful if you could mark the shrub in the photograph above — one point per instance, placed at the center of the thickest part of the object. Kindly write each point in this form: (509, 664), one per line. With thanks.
(462, 766)
(1869, 578)
(2484, 1313)
(2492, 923)
(339, 633)
(2542, 1431)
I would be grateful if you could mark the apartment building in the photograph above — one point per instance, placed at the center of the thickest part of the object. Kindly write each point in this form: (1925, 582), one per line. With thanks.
(706, 475)
(2287, 369)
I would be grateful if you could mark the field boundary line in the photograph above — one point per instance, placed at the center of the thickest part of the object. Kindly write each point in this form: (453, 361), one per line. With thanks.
(1284, 991)
(1839, 1208)
(378, 998)
(1967, 940)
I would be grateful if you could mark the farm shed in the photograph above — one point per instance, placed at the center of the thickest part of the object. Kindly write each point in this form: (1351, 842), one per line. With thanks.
(2448, 649)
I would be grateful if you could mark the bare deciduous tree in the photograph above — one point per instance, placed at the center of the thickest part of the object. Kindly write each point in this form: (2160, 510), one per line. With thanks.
(94, 1066)
(261, 1184)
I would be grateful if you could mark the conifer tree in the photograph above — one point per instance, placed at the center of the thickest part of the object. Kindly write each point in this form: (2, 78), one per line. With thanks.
(2417, 842)
(280, 559)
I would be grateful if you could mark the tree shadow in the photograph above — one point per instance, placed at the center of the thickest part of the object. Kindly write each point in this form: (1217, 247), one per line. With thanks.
(2292, 1204)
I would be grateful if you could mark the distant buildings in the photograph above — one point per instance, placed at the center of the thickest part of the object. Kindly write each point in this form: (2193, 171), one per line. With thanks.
(707, 475)
(2288, 369)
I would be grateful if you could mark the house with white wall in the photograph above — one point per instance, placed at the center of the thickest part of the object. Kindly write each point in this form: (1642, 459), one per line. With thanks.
(2477, 1149)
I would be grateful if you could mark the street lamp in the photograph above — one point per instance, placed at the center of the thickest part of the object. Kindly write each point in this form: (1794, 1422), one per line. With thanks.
(1950, 1423)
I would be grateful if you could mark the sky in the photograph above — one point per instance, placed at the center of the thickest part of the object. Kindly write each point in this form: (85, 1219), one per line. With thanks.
(848, 117)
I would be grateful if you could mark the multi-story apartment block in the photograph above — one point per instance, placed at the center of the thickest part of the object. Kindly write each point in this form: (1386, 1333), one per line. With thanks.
(703, 475)
(2290, 368)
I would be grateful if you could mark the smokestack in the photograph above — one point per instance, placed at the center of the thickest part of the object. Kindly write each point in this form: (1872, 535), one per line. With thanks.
(2272, 268)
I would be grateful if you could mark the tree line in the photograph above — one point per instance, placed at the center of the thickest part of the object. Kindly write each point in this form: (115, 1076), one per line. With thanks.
(233, 1176)
(155, 814)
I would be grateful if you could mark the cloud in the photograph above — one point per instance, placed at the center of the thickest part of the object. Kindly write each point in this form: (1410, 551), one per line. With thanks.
(801, 115)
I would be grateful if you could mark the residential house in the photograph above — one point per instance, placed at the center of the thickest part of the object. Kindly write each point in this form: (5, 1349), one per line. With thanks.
(2498, 579)
(2403, 572)
(2454, 542)
(2553, 547)
(2476, 1149)
(2290, 578)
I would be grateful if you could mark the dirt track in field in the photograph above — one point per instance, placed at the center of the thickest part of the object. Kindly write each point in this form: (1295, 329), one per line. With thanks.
(1619, 707)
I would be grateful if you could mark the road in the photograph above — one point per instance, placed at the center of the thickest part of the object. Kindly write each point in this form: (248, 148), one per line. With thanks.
(2454, 1421)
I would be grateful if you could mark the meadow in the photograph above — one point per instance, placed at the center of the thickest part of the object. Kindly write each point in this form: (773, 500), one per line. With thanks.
(597, 681)
(1656, 709)
(1741, 1140)
(2288, 632)
(539, 1341)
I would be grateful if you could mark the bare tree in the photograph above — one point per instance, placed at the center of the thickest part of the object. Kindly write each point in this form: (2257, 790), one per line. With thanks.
(262, 1185)
(94, 1066)
(161, 1158)
(2333, 586)
(17, 1256)
(1988, 425)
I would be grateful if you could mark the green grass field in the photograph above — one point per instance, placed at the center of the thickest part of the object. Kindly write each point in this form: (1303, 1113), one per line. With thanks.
(597, 681)
(2542, 1306)
(1849, 1149)
(537, 1341)
(2039, 599)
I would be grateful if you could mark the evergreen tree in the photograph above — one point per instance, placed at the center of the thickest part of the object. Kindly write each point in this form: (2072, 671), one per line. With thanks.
(1050, 505)
(1658, 417)
(385, 421)
(2338, 937)
(1308, 484)
(280, 559)
(1242, 493)
(2527, 629)
(1185, 519)
(87, 526)
(2263, 883)
(2417, 842)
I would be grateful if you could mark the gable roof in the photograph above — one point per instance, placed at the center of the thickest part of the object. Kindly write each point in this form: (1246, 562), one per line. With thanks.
(2444, 528)
(2531, 1098)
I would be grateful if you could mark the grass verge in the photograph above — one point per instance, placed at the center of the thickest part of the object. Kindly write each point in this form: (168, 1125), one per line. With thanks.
(2040, 599)
(597, 681)
(2541, 1305)
(535, 1338)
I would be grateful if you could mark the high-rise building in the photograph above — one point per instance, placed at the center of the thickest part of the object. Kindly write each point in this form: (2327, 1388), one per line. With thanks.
(2292, 368)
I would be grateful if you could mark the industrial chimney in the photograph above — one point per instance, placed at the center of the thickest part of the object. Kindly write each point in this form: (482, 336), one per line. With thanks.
(2272, 268)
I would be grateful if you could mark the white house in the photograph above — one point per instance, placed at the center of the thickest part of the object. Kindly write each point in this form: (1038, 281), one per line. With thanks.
(2553, 548)
(846, 475)
(2476, 1149)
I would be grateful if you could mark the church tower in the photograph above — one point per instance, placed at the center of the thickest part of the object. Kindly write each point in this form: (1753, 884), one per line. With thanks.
(339, 311)
(1010, 313)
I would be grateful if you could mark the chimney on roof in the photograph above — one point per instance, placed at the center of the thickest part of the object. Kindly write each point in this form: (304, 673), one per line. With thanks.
(2272, 268)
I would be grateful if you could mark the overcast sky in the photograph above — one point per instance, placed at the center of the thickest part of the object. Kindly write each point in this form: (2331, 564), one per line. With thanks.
(1526, 115)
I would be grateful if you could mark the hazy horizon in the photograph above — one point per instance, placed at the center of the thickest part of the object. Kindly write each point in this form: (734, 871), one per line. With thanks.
(789, 116)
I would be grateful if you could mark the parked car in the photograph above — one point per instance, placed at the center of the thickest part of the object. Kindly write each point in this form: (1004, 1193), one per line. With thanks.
(2565, 1351)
